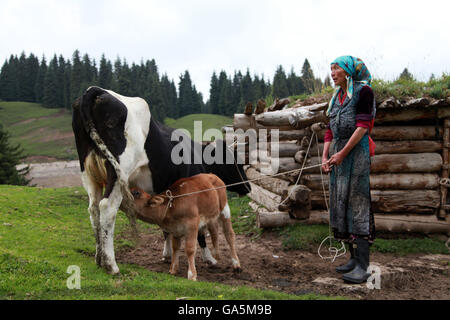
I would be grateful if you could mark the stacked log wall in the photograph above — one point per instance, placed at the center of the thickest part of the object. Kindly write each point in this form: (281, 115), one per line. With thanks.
(411, 158)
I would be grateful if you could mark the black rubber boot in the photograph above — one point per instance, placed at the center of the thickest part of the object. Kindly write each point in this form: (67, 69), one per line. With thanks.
(359, 273)
(351, 264)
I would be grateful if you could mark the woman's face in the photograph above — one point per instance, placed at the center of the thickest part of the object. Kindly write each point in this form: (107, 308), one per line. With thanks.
(338, 74)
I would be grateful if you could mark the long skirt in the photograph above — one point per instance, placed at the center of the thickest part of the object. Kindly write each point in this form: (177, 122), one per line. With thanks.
(350, 203)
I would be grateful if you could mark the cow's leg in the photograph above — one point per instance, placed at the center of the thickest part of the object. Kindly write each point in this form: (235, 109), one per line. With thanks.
(167, 252)
(108, 211)
(176, 243)
(94, 192)
(206, 254)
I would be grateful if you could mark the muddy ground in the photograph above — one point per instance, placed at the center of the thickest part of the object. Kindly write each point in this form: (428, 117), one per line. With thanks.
(267, 266)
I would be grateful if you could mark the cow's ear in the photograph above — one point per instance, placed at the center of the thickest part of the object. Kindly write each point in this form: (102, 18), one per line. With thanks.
(155, 201)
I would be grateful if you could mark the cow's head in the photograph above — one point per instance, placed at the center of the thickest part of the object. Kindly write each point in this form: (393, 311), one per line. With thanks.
(230, 171)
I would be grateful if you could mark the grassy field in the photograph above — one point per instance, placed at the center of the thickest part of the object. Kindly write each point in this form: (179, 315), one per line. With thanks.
(44, 231)
(40, 131)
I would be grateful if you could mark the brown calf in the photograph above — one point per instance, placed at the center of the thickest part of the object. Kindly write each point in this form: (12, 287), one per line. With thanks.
(187, 215)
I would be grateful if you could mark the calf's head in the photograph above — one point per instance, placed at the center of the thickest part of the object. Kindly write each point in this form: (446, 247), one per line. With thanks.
(144, 202)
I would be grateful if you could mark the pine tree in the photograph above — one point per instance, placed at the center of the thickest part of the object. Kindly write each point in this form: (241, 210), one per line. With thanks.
(28, 78)
(39, 85)
(88, 73)
(186, 100)
(308, 77)
(155, 97)
(124, 79)
(21, 77)
(247, 89)
(105, 74)
(214, 93)
(76, 76)
(225, 95)
(169, 94)
(406, 75)
(327, 82)
(51, 86)
(3, 80)
(280, 87)
(10, 88)
(64, 73)
(9, 158)
(236, 92)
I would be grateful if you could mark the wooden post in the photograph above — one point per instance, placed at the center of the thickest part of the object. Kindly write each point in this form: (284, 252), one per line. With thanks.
(444, 191)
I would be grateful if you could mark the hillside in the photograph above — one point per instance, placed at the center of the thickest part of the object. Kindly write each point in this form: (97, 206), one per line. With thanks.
(43, 133)
(46, 134)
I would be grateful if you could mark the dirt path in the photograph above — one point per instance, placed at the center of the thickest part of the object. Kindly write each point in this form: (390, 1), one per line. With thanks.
(54, 174)
(267, 266)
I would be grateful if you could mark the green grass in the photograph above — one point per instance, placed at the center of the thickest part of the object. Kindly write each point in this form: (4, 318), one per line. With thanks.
(243, 216)
(209, 121)
(437, 88)
(44, 231)
(40, 131)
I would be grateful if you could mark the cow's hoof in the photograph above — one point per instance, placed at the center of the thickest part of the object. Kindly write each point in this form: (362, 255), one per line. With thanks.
(166, 259)
(111, 269)
(237, 270)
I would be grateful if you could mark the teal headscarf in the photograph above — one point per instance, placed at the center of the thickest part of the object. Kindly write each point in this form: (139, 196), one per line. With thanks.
(357, 71)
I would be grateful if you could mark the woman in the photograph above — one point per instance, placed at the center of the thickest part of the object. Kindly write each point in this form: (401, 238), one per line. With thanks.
(351, 112)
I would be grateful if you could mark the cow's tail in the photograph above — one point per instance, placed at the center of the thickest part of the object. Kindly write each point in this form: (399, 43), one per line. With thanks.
(87, 102)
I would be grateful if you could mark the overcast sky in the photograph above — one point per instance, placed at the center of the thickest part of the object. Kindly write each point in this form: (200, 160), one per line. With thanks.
(205, 36)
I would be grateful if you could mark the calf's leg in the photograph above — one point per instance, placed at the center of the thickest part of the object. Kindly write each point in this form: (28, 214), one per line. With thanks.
(176, 243)
(213, 231)
(225, 219)
(190, 248)
(206, 254)
(167, 252)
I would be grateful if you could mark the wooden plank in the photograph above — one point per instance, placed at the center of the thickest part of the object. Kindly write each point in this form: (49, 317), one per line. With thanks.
(403, 163)
(264, 197)
(445, 169)
(392, 201)
(395, 223)
(397, 181)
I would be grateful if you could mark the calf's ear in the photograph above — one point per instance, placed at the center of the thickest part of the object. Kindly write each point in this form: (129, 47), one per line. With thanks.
(155, 201)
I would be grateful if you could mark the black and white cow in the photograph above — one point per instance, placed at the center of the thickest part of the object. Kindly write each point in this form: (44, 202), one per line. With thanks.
(120, 146)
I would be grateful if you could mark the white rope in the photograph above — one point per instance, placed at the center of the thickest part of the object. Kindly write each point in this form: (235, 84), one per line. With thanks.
(334, 251)
(303, 166)
(238, 183)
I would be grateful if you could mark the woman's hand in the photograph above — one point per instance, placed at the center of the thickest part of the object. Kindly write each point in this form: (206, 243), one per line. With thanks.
(325, 165)
(337, 158)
